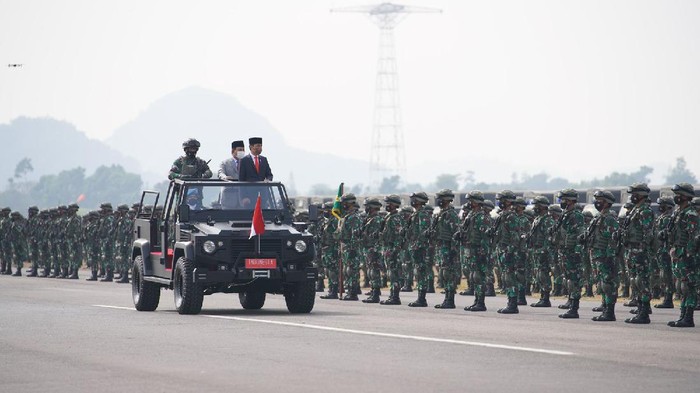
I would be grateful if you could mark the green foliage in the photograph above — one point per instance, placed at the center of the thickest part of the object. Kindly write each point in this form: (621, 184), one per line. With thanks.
(680, 173)
(390, 185)
(620, 179)
(24, 166)
(322, 189)
(447, 181)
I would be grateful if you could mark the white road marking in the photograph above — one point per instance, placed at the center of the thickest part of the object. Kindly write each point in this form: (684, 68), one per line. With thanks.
(376, 334)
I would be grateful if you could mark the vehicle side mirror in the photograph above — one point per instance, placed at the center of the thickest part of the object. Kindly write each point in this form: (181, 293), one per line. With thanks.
(184, 212)
(313, 213)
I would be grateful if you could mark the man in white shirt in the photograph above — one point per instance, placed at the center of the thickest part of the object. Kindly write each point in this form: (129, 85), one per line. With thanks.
(229, 168)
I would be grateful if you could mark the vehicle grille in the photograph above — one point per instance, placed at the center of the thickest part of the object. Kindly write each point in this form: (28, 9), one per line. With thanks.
(266, 245)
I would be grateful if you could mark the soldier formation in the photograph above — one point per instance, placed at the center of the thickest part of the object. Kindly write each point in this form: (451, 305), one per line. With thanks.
(551, 249)
(57, 242)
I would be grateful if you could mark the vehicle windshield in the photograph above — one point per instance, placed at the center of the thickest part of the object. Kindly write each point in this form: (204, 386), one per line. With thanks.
(234, 196)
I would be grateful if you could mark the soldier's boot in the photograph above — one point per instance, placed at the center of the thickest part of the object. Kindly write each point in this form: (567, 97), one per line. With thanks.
(631, 303)
(408, 286)
(420, 302)
(373, 297)
(17, 273)
(56, 273)
(557, 290)
(600, 308)
(393, 299)
(656, 292)
(511, 308)
(625, 291)
(589, 290)
(109, 276)
(368, 293)
(101, 273)
(365, 282)
(567, 305)
(118, 275)
(686, 318)
(357, 290)
(667, 303)
(319, 286)
(93, 275)
(332, 293)
(385, 280)
(74, 274)
(522, 301)
(641, 303)
(572, 313)
(431, 286)
(479, 304)
(2, 267)
(34, 272)
(608, 314)
(490, 290)
(476, 301)
(8, 270)
(449, 301)
(544, 300)
(124, 278)
(64, 272)
(45, 272)
(642, 316)
(350, 294)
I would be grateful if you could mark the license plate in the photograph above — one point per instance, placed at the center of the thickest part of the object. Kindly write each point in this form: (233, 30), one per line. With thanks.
(260, 263)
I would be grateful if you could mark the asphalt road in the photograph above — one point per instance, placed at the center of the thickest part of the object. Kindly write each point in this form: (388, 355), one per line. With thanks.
(78, 336)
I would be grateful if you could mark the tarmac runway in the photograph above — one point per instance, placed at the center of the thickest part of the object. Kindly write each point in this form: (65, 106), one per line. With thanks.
(78, 336)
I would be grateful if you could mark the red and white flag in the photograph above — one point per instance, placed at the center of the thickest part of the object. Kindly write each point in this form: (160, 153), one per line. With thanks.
(257, 227)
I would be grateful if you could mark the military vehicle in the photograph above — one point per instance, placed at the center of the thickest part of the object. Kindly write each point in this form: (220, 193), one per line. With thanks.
(197, 242)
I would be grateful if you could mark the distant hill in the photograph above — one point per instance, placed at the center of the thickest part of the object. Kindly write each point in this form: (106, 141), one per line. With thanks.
(155, 136)
(53, 146)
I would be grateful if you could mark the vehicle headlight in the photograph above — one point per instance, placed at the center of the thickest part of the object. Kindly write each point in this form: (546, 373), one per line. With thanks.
(300, 246)
(209, 247)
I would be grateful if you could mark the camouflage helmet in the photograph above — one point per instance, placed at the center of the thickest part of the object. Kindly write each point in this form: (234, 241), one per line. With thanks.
(555, 209)
(349, 197)
(33, 209)
(445, 194)
(136, 206)
(476, 196)
(106, 205)
(488, 204)
(587, 214)
(466, 206)
(191, 143)
(16, 214)
(393, 199)
(638, 188)
(685, 189)
(74, 206)
(520, 201)
(407, 209)
(6, 210)
(696, 202)
(666, 200)
(62, 208)
(94, 213)
(419, 197)
(568, 194)
(540, 200)
(530, 213)
(373, 202)
(429, 208)
(506, 195)
(123, 207)
(607, 195)
(629, 205)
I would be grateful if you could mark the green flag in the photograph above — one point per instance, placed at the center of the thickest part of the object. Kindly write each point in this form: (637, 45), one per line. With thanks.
(337, 210)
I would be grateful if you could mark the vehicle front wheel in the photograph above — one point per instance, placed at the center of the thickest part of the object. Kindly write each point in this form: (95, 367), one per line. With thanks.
(300, 297)
(146, 295)
(188, 294)
(252, 300)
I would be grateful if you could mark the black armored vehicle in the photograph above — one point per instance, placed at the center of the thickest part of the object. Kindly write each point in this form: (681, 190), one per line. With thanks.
(197, 242)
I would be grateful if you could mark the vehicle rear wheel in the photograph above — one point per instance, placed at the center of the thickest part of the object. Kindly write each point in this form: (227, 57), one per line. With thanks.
(188, 294)
(252, 300)
(300, 297)
(146, 295)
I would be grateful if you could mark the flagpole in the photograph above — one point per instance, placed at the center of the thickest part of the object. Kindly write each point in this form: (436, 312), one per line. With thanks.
(257, 245)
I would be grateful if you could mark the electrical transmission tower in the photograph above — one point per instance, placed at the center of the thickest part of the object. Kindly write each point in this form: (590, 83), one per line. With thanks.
(387, 155)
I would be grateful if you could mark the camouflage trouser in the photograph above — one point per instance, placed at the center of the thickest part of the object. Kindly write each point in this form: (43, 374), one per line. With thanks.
(449, 266)
(477, 258)
(663, 260)
(557, 271)
(639, 271)
(108, 258)
(393, 268)
(507, 261)
(330, 262)
(407, 267)
(19, 255)
(465, 264)
(374, 268)
(587, 268)
(685, 269)
(491, 267)
(607, 278)
(622, 270)
(351, 269)
(521, 270)
(573, 269)
(423, 268)
(34, 256)
(541, 263)
(318, 263)
(65, 261)
(45, 257)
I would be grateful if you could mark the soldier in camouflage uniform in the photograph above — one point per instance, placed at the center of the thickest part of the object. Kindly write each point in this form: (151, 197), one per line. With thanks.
(558, 276)
(55, 235)
(316, 229)
(349, 234)
(588, 267)
(91, 235)
(637, 235)
(463, 259)
(371, 232)
(43, 244)
(540, 246)
(445, 225)
(106, 238)
(598, 239)
(490, 290)
(431, 252)
(683, 232)
(418, 241)
(567, 232)
(123, 239)
(506, 233)
(392, 247)
(660, 250)
(190, 166)
(18, 241)
(330, 251)
(5, 248)
(521, 260)
(32, 240)
(73, 230)
(475, 247)
(406, 260)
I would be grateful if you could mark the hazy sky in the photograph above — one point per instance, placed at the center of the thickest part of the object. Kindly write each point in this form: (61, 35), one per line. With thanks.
(574, 88)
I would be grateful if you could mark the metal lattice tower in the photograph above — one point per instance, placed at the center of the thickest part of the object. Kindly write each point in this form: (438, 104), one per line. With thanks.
(387, 155)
